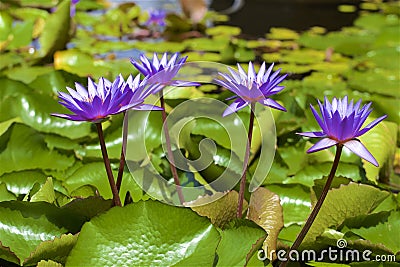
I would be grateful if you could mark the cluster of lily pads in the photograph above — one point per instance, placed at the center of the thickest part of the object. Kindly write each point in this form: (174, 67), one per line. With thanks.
(52, 169)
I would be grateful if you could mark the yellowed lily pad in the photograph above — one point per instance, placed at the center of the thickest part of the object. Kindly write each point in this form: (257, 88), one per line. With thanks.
(266, 211)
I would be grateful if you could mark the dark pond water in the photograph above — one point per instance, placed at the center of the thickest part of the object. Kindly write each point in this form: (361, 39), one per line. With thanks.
(256, 17)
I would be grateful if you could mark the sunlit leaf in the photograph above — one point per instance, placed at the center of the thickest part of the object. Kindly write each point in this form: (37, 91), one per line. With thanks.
(55, 34)
(26, 150)
(237, 242)
(221, 211)
(341, 203)
(22, 235)
(142, 227)
(6, 195)
(265, 210)
(381, 142)
(18, 100)
(56, 250)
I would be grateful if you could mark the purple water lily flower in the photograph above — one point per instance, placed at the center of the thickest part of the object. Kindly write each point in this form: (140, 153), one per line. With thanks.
(163, 70)
(341, 123)
(252, 87)
(157, 18)
(105, 98)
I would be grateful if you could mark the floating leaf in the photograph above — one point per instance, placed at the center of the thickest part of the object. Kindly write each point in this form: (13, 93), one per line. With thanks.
(45, 193)
(22, 235)
(55, 34)
(8, 255)
(20, 183)
(221, 211)
(376, 81)
(223, 30)
(5, 195)
(148, 233)
(341, 203)
(21, 34)
(383, 233)
(27, 74)
(26, 150)
(56, 250)
(237, 242)
(77, 211)
(19, 100)
(381, 142)
(282, 34)
(307, 175)
(265, 210)
(92, 173)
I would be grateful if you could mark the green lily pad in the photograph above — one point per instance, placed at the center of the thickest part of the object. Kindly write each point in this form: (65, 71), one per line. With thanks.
(55, 34)
(6, 195)
(237, 242)
(223, 30)
(27, 74)
(205, 56)
(22, 235)
(45, 193)
(21, 35)
(148, 232)
(19, 100)
(93, 173)
(376, 21)
(282, 34)
(221, 211)
(307, 175)
(56, 250)
(341, 203)
(381, 142)
(295, 201)
(206, 44)
(5, 25)
(49, 83)
(348, 44)
(77, 211)
(29, 13)
(26, 150)
(265, 210)
(376, 81)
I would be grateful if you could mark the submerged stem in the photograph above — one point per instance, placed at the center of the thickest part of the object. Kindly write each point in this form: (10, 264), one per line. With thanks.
(123, 150)
(245, 163)
(117, 201)
(171, 159)
(318, 205)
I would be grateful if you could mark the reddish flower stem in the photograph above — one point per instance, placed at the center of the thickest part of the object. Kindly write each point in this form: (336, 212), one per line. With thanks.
(245, 163)
(318, 205)
(116, 199)
(169, 150)
(123, 150)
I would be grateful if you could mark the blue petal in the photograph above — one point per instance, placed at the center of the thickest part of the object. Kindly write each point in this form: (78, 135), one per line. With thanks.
(72, 117)
(371, 125)
(235, 106)
(319, 120)
(360, 150)
(313, 134)
(272, 103)
(322, 144)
